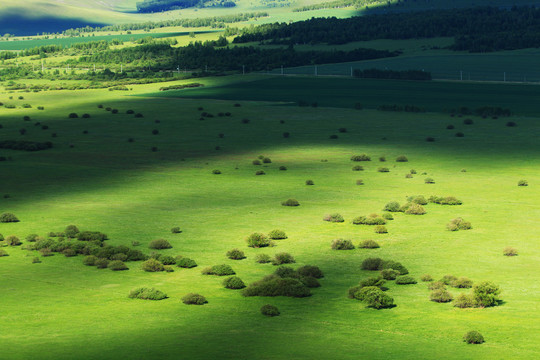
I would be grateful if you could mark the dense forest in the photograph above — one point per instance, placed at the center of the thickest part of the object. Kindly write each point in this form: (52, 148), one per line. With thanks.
(150, 6)
(474, 30)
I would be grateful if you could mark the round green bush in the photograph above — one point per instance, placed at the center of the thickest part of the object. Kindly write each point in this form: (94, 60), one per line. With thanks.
(310, 271)
(256, 162)
(440, 296)
(415, 209)
(458, 224)
(290, 202)
(402, 158)
(374, 297)
(185, 262)
(234, 282)
(219, 270)
(357, 168)
(283, 258)
(167, 260)
(464, 301)
(429, 181)
(1, 237)
(168, 268)
(286, 272)
(382, 159)
(216, 172)
(8, 218)
(176, 230)
(389, 274)
(448, 279)
(269, 310)
(31, 237)
(486, 294)
(117, 265)
(473, 337)
(510, 251)
(372, 264)
(462, 283)
(387, 216)
(408, 176)
(392, 206)
(361, 157)
(342, 244)
(426, 277)
(73, 116)
(69, 252)
(12, 240)
(359, 182)
(263, 258)
(523, 183)
(383, 169)
(368, 244)
(390, 264)
(152, 265)
(147, 294)
(236, 254)
(282, 168)
(71, 231)
(260, 172)
(35, 260)
(90, 260)
(194, 299)
(274, 285)
(335, 217)
(3, 253)
(277, 234)
(159, 244)
(380, 229)
(418, 199)
(258, 240)
(405, 280)
(310, 182)
(437, 285)
(266, 160)
(373, 219)
(310, 282)
(99, 263)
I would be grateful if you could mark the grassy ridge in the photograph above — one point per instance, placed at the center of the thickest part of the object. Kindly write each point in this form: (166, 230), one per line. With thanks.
(125, 190)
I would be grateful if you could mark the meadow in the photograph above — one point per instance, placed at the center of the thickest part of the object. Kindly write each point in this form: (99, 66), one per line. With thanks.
(95, 178)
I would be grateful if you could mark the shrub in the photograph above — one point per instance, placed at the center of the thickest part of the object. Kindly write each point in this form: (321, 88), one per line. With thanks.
(283, 258)
(436, 285)
(468, 122)
(333, 136)
(359, 182)
(362, 157)
(269, 310)
(3, 253)
(357, 168)
(310, 282)
(147, 294)
(473, 337)
(342, 244)
(430, 139)
(449, 200)
(486, 294)
(154, 149)
(152, 265)
(1, 237)
(176, 230)
(234, 282)
(159, 244)
(402, 158)
(263, 258)
(523, 183)
(368, 244)
(310, 182)
(392, 206)
(256, 162)
(458, 224)
(511, 124)
(429, 180)
(35, 260)
(8, 218)
(282, 168)
(450, 127)
(369, 220)
(236, 254)
(73, 116)
(69, 252)
(440, 296)
(383, 169)
(460, 134)
(390, 264)
(71, 231)
(117, 265)
(417, 199)
(510, 251)
(101, 263)
(464, 301)
(31, 237)
(139, 115)
(372, 264)
(290, 202)
(387, 216)
(45, 252)
(90, 260)
(389, 274)
(415, 209)
(381, 229)
(91, 236)
(286, 272)
(266, 160)
(86, 116)
(185, 262)
(426, 277)
(405, 280)
(258, 240)
(335, 217)
(277, 234)
(12, 240)
(374, 297)
(260, 172)
(310, 271)
(167, 260)
(448, 279)
(462, 283)
(216, 172)
(274, 285)
(382, 159)
(219, 270)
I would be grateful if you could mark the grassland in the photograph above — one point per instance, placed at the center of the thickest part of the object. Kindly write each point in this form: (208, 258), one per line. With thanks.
(61, 309)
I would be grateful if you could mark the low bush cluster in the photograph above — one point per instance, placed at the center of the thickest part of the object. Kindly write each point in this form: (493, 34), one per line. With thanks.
(473, 337)
(258, 240)
(277, 234)
(342, 244)
(194, 299)
(269, 310)
(290, 202)
(361, 157)
(374, 297)
(234, 283)
(185, 262)
(368, 244)
(219, 270)
(372, 219)
(236, 254)
(8, 218)
(283, 258)
(335, 217)
(510, 251)
(448, 200)
(147, 294)
(405, 280)
(458, 224)
(440, 296)
(263, 258)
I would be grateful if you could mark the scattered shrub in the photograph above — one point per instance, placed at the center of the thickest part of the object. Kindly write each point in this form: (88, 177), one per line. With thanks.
(510, 251)
(402, 158)
(152, 265)
(381, 229)
(448, 279)
(266, 160)
(219, 270)
(368, 244)
(310, 271)
(269, 310)
(468, 122)
(374, 297)
(274, 285)
(29, 238)
(449, 200)
(372, 264)
(310, 182)
(8, 218)
(86, 116)
(3, 253)
(236, 254)
(511, 124)
(283, 258)
(310, 282)
(333, 137)
(473, 337)
(73, 116)
(389, 274)
(101, 263)
(430, 139)
(362, 157)
(464, 301)
(286, 272)
(290, 202)
(45, 252)
(263, 258)
(357, 168)
(258, 240)
(147, 294)
(216, 172)
(159, 244)
(260, 172)
(415, 209)
(176, 230)
(460, 134)
(408, 176)
(392, 206)
(390, 264)
(369, 220)
(383, 169)
(139, 115)
(486, 294)
(429, 180)
(382, 158)
(277, 234)
(90, 260)
(69, 252)
(436, 285)
(523, 183)
(462, 283)
(342, 244)
(117, 265)
(426, 277)
(35, 260)
(440, 296)
(405, 280)
(91, 236)
(387, 216)
(71, 231)
(234, 282)
(256, 162)
(167, 260)
(12, 240)
(282, 168)
(458, 224)
(335, 217)
(185, 262)
(359, 182)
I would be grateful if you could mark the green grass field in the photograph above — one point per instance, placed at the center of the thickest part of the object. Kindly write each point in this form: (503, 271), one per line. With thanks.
(61, 309)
